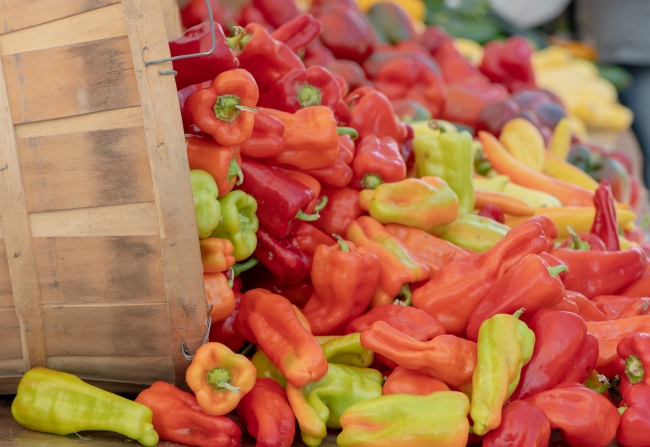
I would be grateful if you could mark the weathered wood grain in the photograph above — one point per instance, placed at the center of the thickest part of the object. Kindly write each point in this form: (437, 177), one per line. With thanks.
(127, 369)
(10, 347)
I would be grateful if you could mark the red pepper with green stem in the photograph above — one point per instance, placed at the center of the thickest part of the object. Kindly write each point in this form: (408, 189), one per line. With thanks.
(371, 112)
(266, 140)
(338, 174)
(605, 224)
(198, 39)
(635, 418)
(633, 360)
(222, 163)
(522, 425)
(225, 109)
(378, 160)
(515, 291)
(280, 257)
(177, 417)
(317, 203)
(307, 238)
(610, 333)
(299, 32)
(314, 86)
(281, 200)
(266, 414)
(406, 77)
(583, 241)
(342, 209)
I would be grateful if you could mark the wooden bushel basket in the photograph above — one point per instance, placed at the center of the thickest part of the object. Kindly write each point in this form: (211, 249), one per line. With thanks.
(100, 268)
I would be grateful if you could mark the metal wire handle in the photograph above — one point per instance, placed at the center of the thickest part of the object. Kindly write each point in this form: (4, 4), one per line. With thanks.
(184, 350)
(189, 56)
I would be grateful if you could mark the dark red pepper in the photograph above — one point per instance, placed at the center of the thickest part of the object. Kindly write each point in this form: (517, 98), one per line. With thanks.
(196, 12)
(509, 63)
(378, 160)
(317, 54)
(266, 140)
(350, 71)
(307, 238)
(605, 224)
(492, 212)
(198, 39)
(342, 208)
(373, 113)
(298, 32)
(522, 425)
(277, 12)
(455, 68)
(297, 291)
(280, 257)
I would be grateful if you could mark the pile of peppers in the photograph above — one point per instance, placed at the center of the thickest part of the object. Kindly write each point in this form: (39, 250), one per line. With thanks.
(403, 283)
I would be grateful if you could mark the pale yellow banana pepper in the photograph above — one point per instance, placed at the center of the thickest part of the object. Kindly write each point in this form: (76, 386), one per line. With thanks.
(522, 139)
(556, 167)
(501, 183)
(561, 140)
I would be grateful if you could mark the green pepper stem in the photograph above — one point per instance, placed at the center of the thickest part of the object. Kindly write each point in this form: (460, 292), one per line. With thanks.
(239, 34)
(322, 203)
(404, 292)
(352, 100)
(342, 243)
(231, 282)
(634, 369)
(576, 243)
(371, 181)
(245, 40)
(235, 171)
(301, 215)
(246, 108)
(219, 379)
(554, 271)
(471, 430)
(226, 107)
(348, 131)
(247, 349)
(622, 409)
(308, 95)
(519, 313)
(238, 269)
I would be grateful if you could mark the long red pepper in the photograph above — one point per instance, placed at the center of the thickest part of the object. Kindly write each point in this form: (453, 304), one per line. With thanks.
(605, 224)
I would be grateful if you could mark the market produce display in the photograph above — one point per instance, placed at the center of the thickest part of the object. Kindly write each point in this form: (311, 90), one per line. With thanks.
(399, 242)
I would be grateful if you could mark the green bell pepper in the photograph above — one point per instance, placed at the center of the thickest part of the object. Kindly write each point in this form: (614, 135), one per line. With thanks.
(449, 156)
(240, 223)
(206, 206)
(345, 350)
(320, 404)
(60, 403)
(266, 369)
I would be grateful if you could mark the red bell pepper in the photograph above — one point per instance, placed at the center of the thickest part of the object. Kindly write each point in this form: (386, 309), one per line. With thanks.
(515, 291)
(372, 113)
(317, 54)
(225, 109)
(198, 39)
(584, 417)
(350, 71)
(307, 238)
(406, 77)
(492, 212)
(266, 414)
(605, 224)
(196, 11)
(183, 94)
(344, 278)
(250, 14)
(223, 331)
(378, 160)
(583, 241)
(522, 425)
(635, 420)
(266, 140)
(222, 163)
(563, 350)
(465, 101)
(339, 174)
(280, 257)
(266, 58)
(177, 417)
(432, 37)
(405, 381)
(509, 63)
(639, 287)
(456, 289)
(342, 209)
(270, 321)
(596, 273)
(633, 359)
(310, 182)
(297, 291)
(314, 86)
(281, 200)
(299, 32)
(454, 67)
(277, 12)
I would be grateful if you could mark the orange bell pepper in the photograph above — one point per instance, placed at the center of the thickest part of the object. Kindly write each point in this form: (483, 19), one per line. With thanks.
(522, 175)
(609, 333)
(398, 267)
(406, 381)
(219, 378)
(222, 163)
(216, 254)
(508, 204)
(446, 357)
(219, 293)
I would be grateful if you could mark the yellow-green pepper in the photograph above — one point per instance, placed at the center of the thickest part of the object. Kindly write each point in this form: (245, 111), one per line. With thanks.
(476, 233)
(406, 420)
(266, 369)
(505, 344)
(56, 402)
(345, 350)
(206, 206)
(239, 223)
(449, 156)
(320, 404)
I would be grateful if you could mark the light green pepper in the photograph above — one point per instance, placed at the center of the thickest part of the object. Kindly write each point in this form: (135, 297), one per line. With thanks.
(476, 233)
(206, 206)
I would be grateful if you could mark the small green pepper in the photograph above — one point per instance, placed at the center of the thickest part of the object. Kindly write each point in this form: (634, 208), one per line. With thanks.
(240, 223)
(206, 206)
(266, 369)
(476, 233)
(345, 350)
(60, 403)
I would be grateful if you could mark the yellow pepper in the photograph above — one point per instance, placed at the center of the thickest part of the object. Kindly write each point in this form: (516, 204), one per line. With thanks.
(561, 140)
(501, 183)
(522, 139)
(556, 167)
(432, 127)
(415, 9)
(476, 233)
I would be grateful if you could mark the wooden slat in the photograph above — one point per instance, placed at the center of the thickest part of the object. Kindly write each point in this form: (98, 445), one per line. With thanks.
(181, 260)
(107, 330)
(130, 369)
(94, 270)
(10, 347)
(172, 17)
(18, 243)
(80, 170)
(73, 80)
(11, 367)
(92, 25)
(6, 294)
(18, 14)
(106, 120)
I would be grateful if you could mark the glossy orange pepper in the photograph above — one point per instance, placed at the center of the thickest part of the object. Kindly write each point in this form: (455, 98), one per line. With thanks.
(225, 109)
(220, 295)
(398, 266)
(578, 304)
(311, 140)
(609, 333)
(454, 292)
(219, 378)
(617, 307)
(378, 160)
(508, 204)
(342, 208)
(222, 163)
(338, 174)
(406, 381)
(271, 321)
(216, 254)
(434, 252)
(522, 175)
(344, 279)
(446, 357)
